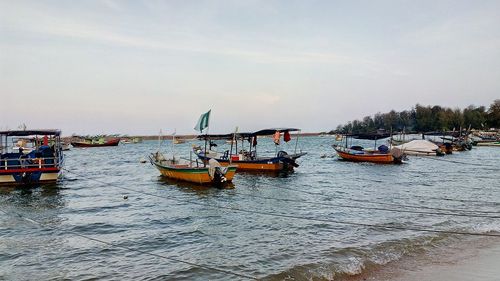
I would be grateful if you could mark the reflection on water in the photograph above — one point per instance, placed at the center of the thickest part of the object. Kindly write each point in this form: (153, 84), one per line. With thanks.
(89, 202)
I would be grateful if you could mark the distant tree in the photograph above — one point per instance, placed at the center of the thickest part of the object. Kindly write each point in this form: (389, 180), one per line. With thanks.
(475, 117)
(493, 116)
(427, 118)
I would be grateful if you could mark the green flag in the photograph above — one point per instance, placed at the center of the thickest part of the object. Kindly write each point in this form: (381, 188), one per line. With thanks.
(203, 121)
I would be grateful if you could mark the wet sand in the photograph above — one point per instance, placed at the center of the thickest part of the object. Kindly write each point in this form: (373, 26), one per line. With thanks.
(473, 260)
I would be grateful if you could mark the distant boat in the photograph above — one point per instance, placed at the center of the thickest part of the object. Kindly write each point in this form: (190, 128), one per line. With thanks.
(497, 143)
(129, 140)
(42, 163)
(250, 160)
(66, 146)
(178, 141)
(96, 143)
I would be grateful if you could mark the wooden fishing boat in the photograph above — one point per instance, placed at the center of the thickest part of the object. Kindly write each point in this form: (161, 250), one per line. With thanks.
(249, 160)
(207, 173)
(191, 171)
(497, 143)
(41, 164)
(179, 141)
(380, 155)
(366, 156)
(96, 143)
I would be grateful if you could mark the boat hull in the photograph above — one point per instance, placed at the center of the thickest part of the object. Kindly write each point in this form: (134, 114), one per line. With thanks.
(380, 158)
(489, 144)
(29, 176)
(271, 164)
(114, 142)
(192, 174)
(267, 166)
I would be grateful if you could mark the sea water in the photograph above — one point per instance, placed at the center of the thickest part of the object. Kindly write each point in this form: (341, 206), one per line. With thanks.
(326, 220)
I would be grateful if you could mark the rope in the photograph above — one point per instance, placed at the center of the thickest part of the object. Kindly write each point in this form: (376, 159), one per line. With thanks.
(371, 208)
(131, 249)
(495, 167)
(298, 217)
(396, 204)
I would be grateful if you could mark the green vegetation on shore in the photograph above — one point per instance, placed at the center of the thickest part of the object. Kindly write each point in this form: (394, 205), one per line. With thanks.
(427, 118)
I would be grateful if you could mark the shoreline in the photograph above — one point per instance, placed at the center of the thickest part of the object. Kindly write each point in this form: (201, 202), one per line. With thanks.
(469, 259)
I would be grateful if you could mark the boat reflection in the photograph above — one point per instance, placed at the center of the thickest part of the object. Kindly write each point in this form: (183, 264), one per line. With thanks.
(189, 185)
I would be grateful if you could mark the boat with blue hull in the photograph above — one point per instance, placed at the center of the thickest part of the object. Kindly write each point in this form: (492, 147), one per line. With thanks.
(41, 163)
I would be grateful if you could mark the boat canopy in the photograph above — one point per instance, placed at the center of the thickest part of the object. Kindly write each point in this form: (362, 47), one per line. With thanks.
(265, 132)
(368, 136)
(424, 146)
(24, 133)
(445, 133)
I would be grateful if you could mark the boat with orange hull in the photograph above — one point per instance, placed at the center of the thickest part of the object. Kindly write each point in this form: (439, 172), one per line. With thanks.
(365, 156)
(248, 160)
(93, 143)
(42, 163)
(381, 154)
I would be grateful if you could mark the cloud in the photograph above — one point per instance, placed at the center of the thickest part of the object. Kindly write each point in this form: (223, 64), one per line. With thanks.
(49, 23)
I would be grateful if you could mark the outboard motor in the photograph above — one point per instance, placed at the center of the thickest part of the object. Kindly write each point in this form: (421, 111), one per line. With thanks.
(285, 158)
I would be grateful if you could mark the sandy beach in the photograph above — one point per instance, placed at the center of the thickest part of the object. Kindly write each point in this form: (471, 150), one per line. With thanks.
(473, 259)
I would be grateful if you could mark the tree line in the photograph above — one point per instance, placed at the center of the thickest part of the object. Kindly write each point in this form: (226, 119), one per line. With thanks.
(426, 119)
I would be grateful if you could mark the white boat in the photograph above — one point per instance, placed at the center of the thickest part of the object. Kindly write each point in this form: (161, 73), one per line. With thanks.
(420, 148)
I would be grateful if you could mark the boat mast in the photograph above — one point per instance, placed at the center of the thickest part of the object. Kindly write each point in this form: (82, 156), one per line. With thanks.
(173, 142)
(159, 141)
(206, 138)
(297, 142)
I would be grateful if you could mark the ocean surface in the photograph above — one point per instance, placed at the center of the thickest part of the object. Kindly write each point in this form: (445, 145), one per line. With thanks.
(114, 218)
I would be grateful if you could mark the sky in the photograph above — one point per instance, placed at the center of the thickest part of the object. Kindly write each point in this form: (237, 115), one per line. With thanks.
(135, 67)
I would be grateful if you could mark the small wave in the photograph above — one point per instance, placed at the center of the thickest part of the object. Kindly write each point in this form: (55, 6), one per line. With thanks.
(350, 261)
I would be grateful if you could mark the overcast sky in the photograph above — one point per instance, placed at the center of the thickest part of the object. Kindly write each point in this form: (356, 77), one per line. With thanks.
(135, 67)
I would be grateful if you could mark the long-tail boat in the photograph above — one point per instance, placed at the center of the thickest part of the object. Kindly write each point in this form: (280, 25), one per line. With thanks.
(193, 171)
(250, 160)
(211, 172)
(91, 142)
(356, 153)
(41, 163)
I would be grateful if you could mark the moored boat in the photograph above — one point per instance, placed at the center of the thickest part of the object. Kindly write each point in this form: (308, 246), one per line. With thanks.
(207, 173)
(101, 142)
(41, 164)
(192, 171)
(497, 143)
(420, 148)
(381, 154)
(249, 160)
(358, 154)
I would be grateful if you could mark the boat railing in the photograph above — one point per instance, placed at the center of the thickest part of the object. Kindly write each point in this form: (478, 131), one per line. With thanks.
(30, 163)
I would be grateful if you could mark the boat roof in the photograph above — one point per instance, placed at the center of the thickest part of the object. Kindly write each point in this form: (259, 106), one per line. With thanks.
(264, 132)
(268, 132)
(23, 133)
(368, 136)
(443, 133)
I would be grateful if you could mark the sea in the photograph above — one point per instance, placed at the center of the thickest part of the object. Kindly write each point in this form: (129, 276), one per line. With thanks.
(114, 218)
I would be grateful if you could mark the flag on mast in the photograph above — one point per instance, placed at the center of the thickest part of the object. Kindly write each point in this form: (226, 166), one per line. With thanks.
(203, 121)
